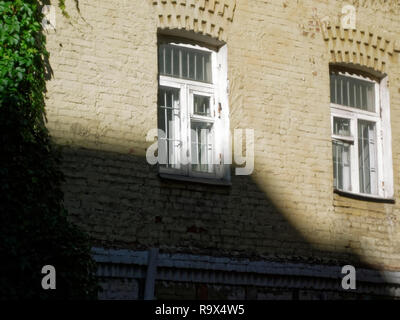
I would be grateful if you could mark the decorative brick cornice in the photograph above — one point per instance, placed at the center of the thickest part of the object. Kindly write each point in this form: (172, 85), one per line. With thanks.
(363, 47)
(208, 17)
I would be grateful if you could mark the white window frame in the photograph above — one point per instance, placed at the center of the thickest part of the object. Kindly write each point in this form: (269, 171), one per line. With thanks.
(381, 118)
(217, 91)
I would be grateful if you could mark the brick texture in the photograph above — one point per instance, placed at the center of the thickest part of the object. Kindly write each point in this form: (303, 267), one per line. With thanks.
(102, 100)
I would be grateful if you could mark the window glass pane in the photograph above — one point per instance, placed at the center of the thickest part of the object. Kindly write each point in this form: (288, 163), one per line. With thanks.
(185, 63)
(352, 92)
(333, 88)
(339, 90)
(367, 157)
(207, 67)
(371, 98)
(169, 142)
(345, 92)
(341, 126)
(191, 66)
(341, 165)
(175, 62)
(364, 102)
(199, 67)
(201, 105)
(185, 66)
(357, 96)
(167, 60)
(201, 147)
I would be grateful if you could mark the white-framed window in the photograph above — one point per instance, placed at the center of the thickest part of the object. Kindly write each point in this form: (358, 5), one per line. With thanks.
(361, 134)
(192, 110)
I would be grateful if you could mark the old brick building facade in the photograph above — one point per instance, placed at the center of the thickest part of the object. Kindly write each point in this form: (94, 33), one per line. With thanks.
(282, 232)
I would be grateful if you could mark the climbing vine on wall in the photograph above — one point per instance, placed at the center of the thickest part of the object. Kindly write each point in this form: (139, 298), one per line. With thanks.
(34, 229)
(61, 5)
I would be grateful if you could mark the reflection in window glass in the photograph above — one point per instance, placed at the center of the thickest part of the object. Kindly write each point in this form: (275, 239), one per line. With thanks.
(202, 147)
(168, 121)
(185, 63)
(201, 105)
(351, 92)
(367, 157)
(341, 127)
(341, 165)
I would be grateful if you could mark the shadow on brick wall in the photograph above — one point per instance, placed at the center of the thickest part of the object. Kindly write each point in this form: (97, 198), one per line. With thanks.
(122, 203)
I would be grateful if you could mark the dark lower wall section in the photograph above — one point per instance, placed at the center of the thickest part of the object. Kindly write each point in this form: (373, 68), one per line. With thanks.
(128, 289)
(120, 200)
(119, 289)
(137, 275)
(189, 291)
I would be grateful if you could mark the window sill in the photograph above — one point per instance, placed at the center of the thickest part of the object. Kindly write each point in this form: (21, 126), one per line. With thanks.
(214, 182)
(362, 196)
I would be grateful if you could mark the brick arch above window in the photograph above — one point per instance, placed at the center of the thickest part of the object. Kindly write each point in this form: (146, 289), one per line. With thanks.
(361, 47)
(211, 18)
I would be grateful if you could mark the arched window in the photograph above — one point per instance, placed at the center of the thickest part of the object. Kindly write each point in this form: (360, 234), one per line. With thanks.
(192, 110)
(361, 134)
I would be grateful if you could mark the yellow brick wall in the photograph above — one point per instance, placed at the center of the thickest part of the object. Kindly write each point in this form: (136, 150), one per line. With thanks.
(102, 100)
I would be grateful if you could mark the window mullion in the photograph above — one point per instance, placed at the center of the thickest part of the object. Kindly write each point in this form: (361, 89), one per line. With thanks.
(184, 132)
(374, 170)
(380, 158)
(189, 100)
(355, 178)
(166, 129)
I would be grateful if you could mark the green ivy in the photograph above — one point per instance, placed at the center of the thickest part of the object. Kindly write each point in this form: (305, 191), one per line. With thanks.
(34, 229)
(61, 5)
